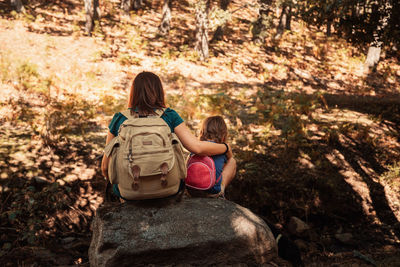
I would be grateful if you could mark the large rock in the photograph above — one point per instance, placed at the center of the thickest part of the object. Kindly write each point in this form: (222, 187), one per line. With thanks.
(297, 226)
(195, 231)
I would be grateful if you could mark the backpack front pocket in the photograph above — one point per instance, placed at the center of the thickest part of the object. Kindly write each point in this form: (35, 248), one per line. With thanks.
(151, 160)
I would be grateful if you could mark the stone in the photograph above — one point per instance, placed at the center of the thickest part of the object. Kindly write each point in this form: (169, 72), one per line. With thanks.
(67, 240)
(41, 180)
(345, 238)
(301, 244)
(297, 226)
(194, 231)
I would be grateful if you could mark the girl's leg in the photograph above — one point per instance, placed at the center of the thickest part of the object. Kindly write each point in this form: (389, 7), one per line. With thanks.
(228, 173)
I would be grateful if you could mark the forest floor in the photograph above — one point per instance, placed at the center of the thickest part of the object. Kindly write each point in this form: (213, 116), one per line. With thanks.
(314, 135)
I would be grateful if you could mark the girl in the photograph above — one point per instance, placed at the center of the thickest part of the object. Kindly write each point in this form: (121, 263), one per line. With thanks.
(214, 130)
(146, 97)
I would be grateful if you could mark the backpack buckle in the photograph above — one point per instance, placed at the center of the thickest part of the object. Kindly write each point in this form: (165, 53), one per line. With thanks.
(164, 172)
(135, 175)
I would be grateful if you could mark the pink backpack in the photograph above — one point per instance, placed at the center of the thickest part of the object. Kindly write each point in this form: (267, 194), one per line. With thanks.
(201, 173)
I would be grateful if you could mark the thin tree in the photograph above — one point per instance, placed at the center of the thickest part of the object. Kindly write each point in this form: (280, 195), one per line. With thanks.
(165, 25)
(18, 6)
(128, 5)
(92, 14)
(137, 4)
(219, 32)
(201, 43)
(260, 27)
(375, 47)
(284, 19)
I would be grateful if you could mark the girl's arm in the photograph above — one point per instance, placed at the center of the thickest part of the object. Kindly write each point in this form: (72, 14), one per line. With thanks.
(229, 154)
(105, 160)
(191, 143)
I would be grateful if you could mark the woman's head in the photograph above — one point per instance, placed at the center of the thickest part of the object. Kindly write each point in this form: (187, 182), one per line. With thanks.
(214, 129)
(146, 93)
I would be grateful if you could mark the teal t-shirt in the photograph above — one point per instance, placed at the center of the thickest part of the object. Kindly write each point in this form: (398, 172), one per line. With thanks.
(170, 116)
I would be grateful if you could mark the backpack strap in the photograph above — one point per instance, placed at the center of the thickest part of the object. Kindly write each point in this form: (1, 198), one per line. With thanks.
(127, 113)
(160, 112)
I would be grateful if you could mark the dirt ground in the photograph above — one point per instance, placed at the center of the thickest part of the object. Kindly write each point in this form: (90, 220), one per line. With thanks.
(342, 180)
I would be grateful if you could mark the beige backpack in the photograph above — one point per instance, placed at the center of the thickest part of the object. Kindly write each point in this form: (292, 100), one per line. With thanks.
(146, 160)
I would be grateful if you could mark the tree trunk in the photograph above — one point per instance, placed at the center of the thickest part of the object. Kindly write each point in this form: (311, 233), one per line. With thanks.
(284, 21)
(165, 25)
(373, 56)
(260, 27)
(137, 4)
(328, 27)
(17, 5)
(375, 48)
(92, 14)
(201, 45)
(289, 19)
(126, 5)
(219, 32)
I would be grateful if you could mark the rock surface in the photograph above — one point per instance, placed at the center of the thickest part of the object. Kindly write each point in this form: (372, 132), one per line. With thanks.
(195, 231)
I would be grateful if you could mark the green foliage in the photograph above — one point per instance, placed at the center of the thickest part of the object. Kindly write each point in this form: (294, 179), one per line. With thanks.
(170, 54)
(27, 75)
(127, 59)
(5, 66)
(97, 30)
(70, 116)
(198, 105)
(110, 105)
(30, 219)
(15, 14)
(219, 103)
(261, 27)
(393, 174)
(218, 17)
(24, 76)
(29, 18)
(358, 22)
(290, 114)
(134, 41)
(23, 112)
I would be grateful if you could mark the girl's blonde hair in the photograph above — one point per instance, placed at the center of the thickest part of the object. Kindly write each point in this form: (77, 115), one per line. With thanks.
(214, 129)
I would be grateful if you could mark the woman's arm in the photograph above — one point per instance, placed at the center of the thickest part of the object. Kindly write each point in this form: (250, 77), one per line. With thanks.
(191, 143)
(105, 160)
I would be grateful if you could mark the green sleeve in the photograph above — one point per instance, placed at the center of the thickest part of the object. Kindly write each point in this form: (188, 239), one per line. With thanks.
(172, 118)
(116, 122)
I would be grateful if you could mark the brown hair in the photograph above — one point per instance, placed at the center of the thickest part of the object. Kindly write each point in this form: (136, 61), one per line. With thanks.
(214, 129)
(146, 94)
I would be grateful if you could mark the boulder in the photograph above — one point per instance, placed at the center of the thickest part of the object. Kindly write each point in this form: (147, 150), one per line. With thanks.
(297, 226)
(345, 238)
(194, 231)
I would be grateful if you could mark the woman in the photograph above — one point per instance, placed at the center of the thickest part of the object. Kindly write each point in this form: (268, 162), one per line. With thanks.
(147, 96)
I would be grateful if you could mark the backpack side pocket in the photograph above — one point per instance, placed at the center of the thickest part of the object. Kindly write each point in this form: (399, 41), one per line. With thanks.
(111, 151)
(180, 157)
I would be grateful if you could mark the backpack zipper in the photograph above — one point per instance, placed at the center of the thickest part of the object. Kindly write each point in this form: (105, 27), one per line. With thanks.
(131, 154)
(134, 125)
(159, 135)
(150, 152)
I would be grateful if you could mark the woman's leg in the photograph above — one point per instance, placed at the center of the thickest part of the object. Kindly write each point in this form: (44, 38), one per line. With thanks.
(228, 173)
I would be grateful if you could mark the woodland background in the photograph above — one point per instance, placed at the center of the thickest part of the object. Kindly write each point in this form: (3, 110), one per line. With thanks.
(309, 89)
